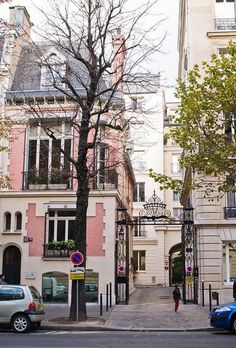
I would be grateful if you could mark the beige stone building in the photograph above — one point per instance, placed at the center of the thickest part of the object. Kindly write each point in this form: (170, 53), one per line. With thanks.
(206, 27)
(154, 246)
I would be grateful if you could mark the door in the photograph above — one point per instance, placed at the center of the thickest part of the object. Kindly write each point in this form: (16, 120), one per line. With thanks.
(12, 265)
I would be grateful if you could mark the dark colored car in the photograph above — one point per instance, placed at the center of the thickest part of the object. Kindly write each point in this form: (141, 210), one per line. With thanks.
(224, 317)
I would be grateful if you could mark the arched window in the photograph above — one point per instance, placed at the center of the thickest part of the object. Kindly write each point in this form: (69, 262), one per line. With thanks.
(18, 221)
(7, 225)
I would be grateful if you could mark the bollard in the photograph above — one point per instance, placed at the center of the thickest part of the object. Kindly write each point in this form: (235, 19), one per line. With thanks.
(203, 300)
(217, 299)
(210, 303)
(107, 297)
(100, 304)
(110, 294)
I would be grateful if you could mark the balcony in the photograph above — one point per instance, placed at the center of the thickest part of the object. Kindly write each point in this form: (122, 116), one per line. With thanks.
(106, 181)
(58, 249)
(230, 213)
(47, 180)
(225, 24)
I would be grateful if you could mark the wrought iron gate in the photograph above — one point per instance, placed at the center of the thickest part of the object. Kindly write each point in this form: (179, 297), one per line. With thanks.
(155, 213)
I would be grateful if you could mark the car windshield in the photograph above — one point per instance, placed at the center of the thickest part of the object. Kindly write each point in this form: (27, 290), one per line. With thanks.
(34, 292)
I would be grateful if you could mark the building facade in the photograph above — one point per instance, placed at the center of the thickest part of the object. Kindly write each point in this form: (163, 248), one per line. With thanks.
(154, 246)
(37, 212)
(206, 27)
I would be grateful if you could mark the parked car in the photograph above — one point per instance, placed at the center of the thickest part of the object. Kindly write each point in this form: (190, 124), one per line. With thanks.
(21, 307)
(224, 316)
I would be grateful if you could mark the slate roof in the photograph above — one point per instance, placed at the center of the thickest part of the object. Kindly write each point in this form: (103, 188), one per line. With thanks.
(27, 78)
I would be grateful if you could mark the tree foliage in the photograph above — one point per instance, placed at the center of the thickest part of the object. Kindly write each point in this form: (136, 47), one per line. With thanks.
(206, 120)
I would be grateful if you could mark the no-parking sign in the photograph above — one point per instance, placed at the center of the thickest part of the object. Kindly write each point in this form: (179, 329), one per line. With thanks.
(77, 258)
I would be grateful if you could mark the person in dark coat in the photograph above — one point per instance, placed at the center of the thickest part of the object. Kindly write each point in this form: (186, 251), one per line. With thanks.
(176, 296)
(234, 290)
(2, 279)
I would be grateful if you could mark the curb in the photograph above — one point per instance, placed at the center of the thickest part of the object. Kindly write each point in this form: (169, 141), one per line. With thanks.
(111, 328)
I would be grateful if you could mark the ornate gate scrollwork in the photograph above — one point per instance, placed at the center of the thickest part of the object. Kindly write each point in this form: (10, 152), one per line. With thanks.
(154, 212)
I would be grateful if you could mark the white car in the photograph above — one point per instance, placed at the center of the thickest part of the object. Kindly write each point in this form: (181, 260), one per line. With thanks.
(21, 307)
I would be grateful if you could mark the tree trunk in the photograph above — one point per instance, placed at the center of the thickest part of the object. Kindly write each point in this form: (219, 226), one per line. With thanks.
(78, 301)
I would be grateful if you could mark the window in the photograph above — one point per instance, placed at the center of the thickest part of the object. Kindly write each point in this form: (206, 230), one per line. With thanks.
(18, 221)
(137, 103)
(61, 225)
(139, 259)
(175, 166)
(139, 192)
(46, 164)
(230, 127)
(139, 229)
(8, 293)
(176, 196)
(138, 160)
(53, 71)
(229, 261)
(177, 212)
(7, 225)
(102, 162)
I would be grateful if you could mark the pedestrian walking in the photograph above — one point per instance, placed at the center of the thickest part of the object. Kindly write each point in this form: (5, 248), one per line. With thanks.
(176, 296)
(2, 279)
(234, 290)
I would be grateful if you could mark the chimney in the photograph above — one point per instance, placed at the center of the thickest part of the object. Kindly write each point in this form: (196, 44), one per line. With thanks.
(20, 21)
(119, 54)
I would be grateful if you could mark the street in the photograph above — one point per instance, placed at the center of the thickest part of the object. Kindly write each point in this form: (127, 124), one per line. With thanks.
(107, 339)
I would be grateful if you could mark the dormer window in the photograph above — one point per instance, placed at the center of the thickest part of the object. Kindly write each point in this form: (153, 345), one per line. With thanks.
(53, 71)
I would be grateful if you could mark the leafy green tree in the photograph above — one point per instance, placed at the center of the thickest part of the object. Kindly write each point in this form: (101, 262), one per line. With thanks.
(206, 121)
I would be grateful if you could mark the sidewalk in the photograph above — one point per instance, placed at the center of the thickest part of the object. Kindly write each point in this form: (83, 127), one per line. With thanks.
(149, 310)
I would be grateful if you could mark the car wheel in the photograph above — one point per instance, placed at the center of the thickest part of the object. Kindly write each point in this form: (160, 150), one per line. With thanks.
(20, 323)
(233, 325)
(35, 326)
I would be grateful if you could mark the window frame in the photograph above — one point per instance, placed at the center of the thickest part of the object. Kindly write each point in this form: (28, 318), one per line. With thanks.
(137, 190)
(140, 268)
(56, 218)
(226, 271)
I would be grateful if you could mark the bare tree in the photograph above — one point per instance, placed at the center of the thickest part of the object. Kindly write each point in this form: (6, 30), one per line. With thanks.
(101, 45)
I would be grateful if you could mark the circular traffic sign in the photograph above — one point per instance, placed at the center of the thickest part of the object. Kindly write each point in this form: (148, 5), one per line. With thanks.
(77, 258)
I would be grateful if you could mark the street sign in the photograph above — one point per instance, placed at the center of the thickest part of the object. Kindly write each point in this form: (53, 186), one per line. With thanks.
(77, 269)
(76, 276)
(77, 258)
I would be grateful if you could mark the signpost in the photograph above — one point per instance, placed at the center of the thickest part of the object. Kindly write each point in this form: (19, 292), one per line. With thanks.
(77, 273)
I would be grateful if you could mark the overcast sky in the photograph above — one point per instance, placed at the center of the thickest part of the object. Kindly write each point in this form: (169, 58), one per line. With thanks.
(166, 63)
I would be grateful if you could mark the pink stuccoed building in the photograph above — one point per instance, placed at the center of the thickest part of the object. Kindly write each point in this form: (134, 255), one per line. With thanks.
(37, 213)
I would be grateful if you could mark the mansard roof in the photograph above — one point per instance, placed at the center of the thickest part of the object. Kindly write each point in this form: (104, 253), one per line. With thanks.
(27, 79)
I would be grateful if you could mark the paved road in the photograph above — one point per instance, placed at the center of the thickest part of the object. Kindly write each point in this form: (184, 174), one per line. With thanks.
(73, 339)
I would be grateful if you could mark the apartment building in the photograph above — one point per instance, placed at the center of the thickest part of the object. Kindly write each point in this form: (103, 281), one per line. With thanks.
(154, 246)
(206, 27)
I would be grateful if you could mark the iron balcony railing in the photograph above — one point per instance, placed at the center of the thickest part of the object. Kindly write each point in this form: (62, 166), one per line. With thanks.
(63, 252)
(230, 213)
(225, 24)
(47, 180)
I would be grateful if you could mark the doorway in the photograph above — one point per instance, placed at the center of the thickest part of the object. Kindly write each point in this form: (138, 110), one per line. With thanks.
(176, 264)
(12, 265)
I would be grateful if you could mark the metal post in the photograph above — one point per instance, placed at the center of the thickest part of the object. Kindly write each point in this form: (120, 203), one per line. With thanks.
(203, 302)
(217, 299)
(100, 304)
(110, 294)
(77, 299)
(210, 302)
(107, 297)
